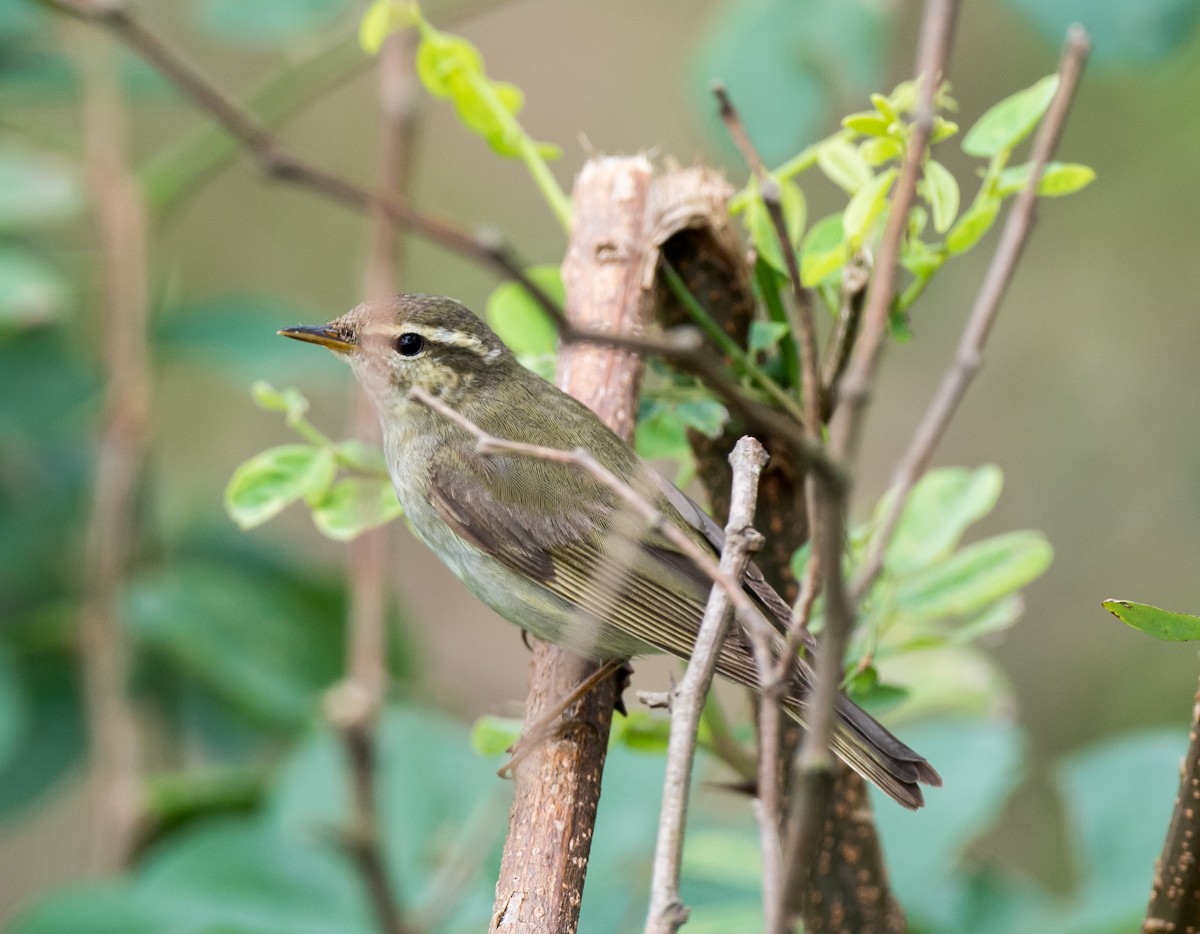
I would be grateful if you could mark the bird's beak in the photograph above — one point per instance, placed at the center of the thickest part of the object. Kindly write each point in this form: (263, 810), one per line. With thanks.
(322, 334)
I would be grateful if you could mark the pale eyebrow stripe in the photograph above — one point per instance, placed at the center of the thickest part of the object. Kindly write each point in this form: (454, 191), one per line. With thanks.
(447, 337)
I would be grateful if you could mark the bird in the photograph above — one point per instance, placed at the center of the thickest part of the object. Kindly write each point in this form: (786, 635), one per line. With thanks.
(544, 544)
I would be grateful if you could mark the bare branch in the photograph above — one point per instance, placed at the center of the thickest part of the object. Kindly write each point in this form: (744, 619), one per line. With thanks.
(968, 357)
(124, 435)
(276, 161)
(937, 28)
(667, 911)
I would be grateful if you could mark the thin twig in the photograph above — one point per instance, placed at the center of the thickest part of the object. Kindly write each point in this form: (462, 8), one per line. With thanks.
(937, 28)
(353, 708)
(969, 356)
(667, 911)
(769, 191)
(350, 711)
(276, 161)
(103, 651)
(815, 762)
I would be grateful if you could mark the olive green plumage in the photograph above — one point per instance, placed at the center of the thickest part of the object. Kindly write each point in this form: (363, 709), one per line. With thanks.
(544, 544)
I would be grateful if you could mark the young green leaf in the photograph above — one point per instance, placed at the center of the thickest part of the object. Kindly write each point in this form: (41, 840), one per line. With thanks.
(519, 320)
(942, 505)
(939, 188)
(824, 250)
(1161, 624)
(269, 482)
(975, 576)
(761, 229)
(290, 400)
(707, 416)
(493, 736)
(1058, 179)
(971, 227)
(868, 123)
(643, 731)
(765, 335)
(879, 149)
(1007, 123)
(866, 206)
(355, 505)
(841, 162)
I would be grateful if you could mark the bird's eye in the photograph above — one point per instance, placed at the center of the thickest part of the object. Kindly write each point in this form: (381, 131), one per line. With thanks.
(409, 344)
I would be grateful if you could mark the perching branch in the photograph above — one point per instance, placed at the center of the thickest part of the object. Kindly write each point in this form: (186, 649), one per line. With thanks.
(969, 356)
(667, 911)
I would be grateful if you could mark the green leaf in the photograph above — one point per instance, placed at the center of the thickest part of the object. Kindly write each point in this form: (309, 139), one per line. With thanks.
(981, 761)
(355, 505)
(1161, 624)
(290, 400)
(269, 482)
(880, 149)
(950, 680)
(943, 504)
(32, 292)
(765, 335)
(360, 456)
(976, 576)
(1008, 122)
(824, 250)
(868, 123)
(662, 436)
(382, 18)
(1118, 797)
(264, 649)
(707, 416)
(866, 206)
(1131, 33)
(1058, 179)
(51, 739)
(36, 189)
(941, 191)
(842, 163)
(493, 736)
(519, 320)
(976, 222)
(444, 62)
(761, 229)
(644, 731)
(266, 21)
(97, 909)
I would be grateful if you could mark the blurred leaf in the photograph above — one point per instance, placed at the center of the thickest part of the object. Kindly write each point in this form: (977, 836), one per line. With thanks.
(942, 505)
(493, 736)
(761, 229)
(237, 332)
(824, 250)
(519, 320)
(32, 292)
(290, 400)
(872, 694)
(1161, 624)
(981, 762)
(355, 505)
(975, 222)
(866, 206)
(53, 738)
(868, 123)
(661, 436)
(880, 149)
(946, 681)
(266, 21)
(1058, 179)
(765, 335)
(264, 650)
(643, 731)
(766, 51)
(1142, 32)
(941, 191)
(272, 480)
(842, 163)
(97, 909)
(1118, 796)
(36, 189)
(976, 576)
(707, 416)
(20, 20)
(363, 457)
(14, 708)
(173, 800)
(992, 619)
(46, 390)
(382, 18)
(1006, 123)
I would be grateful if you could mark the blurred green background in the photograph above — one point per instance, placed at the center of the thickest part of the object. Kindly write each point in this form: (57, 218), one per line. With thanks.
(1087, 399)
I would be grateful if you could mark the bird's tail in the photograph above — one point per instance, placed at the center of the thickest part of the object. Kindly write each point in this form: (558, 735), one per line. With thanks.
(864, 744)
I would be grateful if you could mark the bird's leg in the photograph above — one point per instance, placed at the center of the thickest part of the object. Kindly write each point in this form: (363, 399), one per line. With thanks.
(547, 724)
